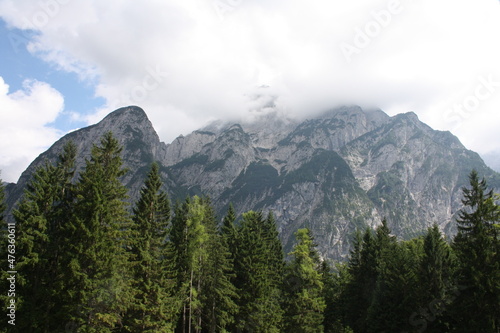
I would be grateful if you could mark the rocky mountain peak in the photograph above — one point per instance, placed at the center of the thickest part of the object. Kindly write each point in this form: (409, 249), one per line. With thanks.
(344, 169)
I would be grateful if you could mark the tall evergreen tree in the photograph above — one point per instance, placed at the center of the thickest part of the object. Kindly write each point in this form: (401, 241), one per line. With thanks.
(228, 230)
(189, 238)
(477, 307)
(335, 287)
(396, 291)
(437, 266)
(99, 270)
(178, 244)
(275, 248)
(218, 293)
(40, 245)
(256, 278)
(436, 283)
(229, 238)
(305, 302)
(362, 268)
(155, 305)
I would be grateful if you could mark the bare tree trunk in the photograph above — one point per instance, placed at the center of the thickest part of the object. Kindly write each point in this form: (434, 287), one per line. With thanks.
(199, 311)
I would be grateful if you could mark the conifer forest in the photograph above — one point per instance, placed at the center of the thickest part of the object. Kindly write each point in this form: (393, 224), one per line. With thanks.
(86, 260)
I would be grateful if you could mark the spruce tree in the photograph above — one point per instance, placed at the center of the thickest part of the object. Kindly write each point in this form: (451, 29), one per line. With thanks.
(436, 283)
(218, 293)
(305, 302)
(155, 304)
(256, 279)
(41, 219)
(437, 266)
(275, 248)
(99, 269)
(178, 244)
(335, 293)
(477, 305)
(396, 291)
(228, 230)
(362, 268)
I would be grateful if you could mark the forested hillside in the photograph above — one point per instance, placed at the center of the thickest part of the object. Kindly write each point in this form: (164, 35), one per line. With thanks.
(81, 259)
(345, 169)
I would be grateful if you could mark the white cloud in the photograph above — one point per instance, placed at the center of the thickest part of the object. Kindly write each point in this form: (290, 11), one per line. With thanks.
(189, 61)
(25, 132)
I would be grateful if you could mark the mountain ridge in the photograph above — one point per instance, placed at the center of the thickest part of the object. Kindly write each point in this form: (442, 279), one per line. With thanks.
(345, 169)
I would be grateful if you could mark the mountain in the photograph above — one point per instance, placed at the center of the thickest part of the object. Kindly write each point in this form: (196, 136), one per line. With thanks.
(348, 168)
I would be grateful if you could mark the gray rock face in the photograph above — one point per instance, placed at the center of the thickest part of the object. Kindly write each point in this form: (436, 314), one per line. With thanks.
(129, 125)
(346, 169)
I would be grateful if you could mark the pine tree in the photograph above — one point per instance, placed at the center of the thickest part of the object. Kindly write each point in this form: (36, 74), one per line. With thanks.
(155, 305)
(305, 302)
(477, 305)
(256, 279)
(99, 270)
(40, 219)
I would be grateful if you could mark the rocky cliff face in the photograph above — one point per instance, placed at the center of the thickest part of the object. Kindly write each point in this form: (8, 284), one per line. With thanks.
(130, 126)
(346, 169)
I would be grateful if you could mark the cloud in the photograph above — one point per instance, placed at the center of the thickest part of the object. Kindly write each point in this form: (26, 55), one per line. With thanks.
(25, 131)
(187, 62)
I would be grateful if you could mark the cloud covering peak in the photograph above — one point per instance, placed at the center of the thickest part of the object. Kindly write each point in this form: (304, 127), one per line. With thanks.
(192, 61)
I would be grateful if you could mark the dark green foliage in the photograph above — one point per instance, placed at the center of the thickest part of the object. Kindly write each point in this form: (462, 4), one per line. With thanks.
(477, 247)
(335, 285)
(255, 178)
(228, 230)
(258, 266)
(155, 304)
(363, 271)
(195, 159)
(218, 292)
(323, 160)
(275, 248)
(188, 238)
(99, 269)
(204, 268)
(41, 219)
(86, 264)
(412, 286)
(304, 300)
(396, 292)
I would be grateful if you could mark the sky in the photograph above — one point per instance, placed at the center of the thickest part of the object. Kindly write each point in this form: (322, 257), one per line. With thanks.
(65, 64)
